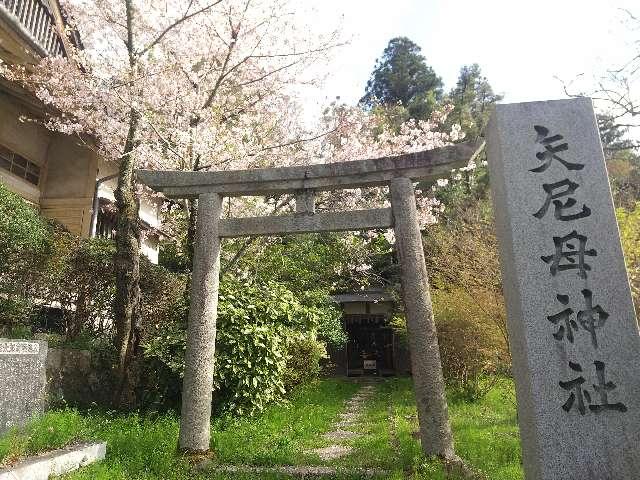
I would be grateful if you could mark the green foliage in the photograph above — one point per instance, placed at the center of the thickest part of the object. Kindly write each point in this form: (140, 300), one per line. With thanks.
(24, 232)
(144, 447)
(471, 344)
(80, 278)
(260, 328)
(304, 354)
(623, 161)
(629, 225)
(42, 263)
(256, 325)
(472, 98)
(310, 265)
(467, 291)
(261, 324)
(48, 431)
(25, 242)
(402, 76)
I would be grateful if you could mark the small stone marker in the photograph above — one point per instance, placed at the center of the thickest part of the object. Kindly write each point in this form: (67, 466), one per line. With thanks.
(22, 380)
(572, 327)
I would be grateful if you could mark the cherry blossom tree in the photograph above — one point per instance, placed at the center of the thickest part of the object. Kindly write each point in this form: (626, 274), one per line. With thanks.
(202, 85)
(176, 84)
(359, 134)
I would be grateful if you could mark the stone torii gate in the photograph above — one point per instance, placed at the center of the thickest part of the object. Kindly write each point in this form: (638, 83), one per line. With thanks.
(398, 173)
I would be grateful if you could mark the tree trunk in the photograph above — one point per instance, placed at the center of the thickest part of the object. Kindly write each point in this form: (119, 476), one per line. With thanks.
(192, 219)
(127, 267)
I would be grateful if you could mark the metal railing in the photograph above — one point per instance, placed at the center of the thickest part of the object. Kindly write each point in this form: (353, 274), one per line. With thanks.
(37, 21)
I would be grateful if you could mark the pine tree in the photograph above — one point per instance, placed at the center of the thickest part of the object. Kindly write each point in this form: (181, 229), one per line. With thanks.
(471, 97)
(402, 77)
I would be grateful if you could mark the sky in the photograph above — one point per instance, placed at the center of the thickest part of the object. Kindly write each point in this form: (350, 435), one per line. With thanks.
(522, 47)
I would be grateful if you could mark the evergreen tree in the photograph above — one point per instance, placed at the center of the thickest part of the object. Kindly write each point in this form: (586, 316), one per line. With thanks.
(614, 136)
(471, 97)
(402, 77)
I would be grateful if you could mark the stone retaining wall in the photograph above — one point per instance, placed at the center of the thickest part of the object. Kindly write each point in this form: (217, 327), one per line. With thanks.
(74, 379)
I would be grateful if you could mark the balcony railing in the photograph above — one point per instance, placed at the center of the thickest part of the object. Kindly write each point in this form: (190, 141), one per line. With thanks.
(35, 20)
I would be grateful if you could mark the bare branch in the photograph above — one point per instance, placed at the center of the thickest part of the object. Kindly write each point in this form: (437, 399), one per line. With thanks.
(181, 20)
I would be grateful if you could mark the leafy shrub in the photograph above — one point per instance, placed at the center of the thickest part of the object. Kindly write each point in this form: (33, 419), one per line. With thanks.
(257, 324)
(304, 354)
(25, 242)
(259, 328)
(464, 269)
(629, 224)
(268, 337)
(471, 344)
(80, 278)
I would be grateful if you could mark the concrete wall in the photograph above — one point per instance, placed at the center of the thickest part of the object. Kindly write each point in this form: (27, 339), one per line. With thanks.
(25, 138)
(69, 183)
(68, 173)
(67, 170)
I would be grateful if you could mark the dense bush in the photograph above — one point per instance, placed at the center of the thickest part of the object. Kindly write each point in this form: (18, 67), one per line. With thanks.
(471, 345)
(464, 267)
(266, 341)
(269, 337)
(25, 243)
(304, 354)
(629, 224)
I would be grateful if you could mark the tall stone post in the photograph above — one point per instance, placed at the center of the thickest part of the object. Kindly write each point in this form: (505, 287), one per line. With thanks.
(573, 332)
(201, 332)
(435, 431)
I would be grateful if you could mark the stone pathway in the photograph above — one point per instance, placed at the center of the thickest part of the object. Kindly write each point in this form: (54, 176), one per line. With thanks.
(341, 433)
(351, 415)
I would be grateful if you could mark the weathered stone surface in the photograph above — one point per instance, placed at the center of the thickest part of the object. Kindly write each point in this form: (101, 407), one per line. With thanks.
(332, 452)
(571, 320)
(57, 462)
(74, 379)
(195, 415)
(428, 381)
(339, 435)
(303, 223)
(326, 176)
(302, 471)
(22, 380)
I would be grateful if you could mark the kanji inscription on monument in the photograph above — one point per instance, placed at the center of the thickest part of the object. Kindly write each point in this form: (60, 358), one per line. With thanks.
(22, 380)
(572, 326)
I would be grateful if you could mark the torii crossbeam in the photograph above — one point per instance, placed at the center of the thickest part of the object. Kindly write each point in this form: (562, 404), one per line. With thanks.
(399, 173)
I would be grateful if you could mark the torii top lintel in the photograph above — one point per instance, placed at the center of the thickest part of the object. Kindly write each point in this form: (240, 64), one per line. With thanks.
(423, 165)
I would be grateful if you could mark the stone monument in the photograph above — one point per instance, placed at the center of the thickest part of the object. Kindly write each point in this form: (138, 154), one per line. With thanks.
(572, 326)
(22, 380)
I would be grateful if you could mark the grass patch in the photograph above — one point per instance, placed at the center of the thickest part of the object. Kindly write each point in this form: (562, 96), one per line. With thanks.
(144, 447)
(51, 430)
(485, 432)
(387, 425)
(281, 434)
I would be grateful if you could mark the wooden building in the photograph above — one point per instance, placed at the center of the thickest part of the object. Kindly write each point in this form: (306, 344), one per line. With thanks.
(67, 181)
(374, 347)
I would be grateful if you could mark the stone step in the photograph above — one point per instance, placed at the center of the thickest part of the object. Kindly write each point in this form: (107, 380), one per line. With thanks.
(57, 462)
(301, 471)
